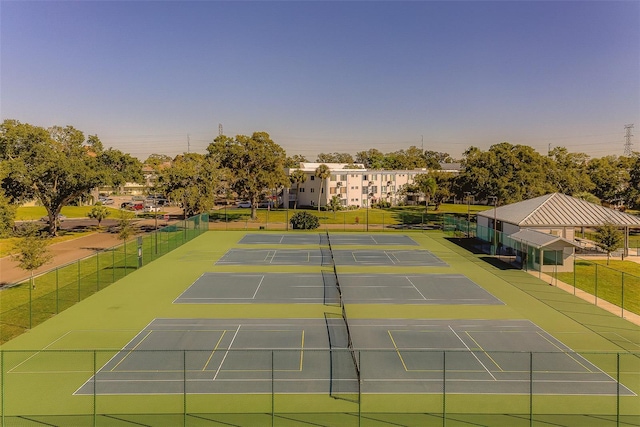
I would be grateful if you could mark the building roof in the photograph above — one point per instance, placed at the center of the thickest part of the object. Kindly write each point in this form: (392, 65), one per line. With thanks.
(558, 209)
(538, 239)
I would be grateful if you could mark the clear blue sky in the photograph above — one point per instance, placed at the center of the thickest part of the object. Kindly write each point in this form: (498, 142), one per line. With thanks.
(327, 76)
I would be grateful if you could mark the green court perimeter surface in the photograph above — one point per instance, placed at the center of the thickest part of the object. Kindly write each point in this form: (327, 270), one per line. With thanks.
(42, 369)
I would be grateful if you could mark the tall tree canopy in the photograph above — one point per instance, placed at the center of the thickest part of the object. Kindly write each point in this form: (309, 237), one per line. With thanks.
(334, 158)
(193, 180)
(255, 164)
(568, 171)
(610, 175)
(511, 172)
(54, 165)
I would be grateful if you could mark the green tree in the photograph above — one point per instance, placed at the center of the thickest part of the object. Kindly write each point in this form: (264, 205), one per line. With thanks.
(632, 195)
(371, 159)
(193, 180)
(99, 212)
(118, 168)
(511, 172)
(303, 220)
(7, 215)
(157, 161)
(297, 177)
(294, 161)
(608, 238)
(588, 197)
(335, 205)
(323, 172)
(255, 165)
(31, 253)
(126, 227)
(610, 176)
(334, 158)
(568, 171)
(427, 186)
(444, 187)
(53, 165)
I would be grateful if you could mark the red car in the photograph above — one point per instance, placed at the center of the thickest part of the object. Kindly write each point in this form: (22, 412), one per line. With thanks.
(136, 207)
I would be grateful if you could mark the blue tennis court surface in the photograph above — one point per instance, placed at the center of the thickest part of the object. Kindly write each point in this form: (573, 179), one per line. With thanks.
(209, 356)
(319, 288)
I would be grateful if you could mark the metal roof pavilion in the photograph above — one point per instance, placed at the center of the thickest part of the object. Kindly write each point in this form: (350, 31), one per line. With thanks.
(558, 209)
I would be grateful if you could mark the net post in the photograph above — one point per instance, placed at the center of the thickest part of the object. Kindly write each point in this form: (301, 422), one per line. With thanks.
(95, 386)
(359, 393)
(531, 388)
(273, 393)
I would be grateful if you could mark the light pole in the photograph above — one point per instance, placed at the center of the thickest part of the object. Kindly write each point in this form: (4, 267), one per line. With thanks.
(495, 224)
(468, 196)
(369, 184)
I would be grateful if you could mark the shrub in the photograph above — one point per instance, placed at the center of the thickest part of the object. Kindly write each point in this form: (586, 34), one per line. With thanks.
(304, 221)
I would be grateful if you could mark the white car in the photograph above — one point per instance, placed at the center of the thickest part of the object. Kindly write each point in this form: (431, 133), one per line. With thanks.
(244, 204)
(152, 209)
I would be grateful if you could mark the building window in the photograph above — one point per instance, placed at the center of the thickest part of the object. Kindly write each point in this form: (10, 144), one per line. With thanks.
(332, 190)
(343, 177)
(312, 190)
(313, 177)
(552, 257)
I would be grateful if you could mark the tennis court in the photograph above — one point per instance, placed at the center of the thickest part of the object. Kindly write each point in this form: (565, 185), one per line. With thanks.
(219, 330)
(317, 257)
(210, 356)
(321, 239)
(319, 288)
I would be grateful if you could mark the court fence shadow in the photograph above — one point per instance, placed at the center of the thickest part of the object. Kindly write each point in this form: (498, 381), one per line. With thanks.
(89, 388)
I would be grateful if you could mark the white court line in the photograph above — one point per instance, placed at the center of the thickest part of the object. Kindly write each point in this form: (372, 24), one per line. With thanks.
(391, 259)
(258, 288)
(473, 353)
(414, 286)
(226, 353)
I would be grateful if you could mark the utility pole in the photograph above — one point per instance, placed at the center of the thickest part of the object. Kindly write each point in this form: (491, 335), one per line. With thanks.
(220, 129)
(628, 143)
(188, 144)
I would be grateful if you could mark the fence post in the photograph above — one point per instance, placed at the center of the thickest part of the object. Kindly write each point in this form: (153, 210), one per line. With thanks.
(444, 388)
(184, 387)
(622, 297)
(95, 380)
(596, 290)
(97, 271)
(2, 388)
(530, 388)
(273, 394)
(57, 292)
(78, 262)
(574, 274)
(618, 389)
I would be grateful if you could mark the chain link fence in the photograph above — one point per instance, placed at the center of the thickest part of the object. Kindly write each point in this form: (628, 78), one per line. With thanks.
(31, 302)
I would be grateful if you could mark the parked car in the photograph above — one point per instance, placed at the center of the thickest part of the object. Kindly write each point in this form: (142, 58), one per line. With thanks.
(126, 205)
(152, 208)
(136, 206)
(105, 200)
(243, 204)
(46, 218)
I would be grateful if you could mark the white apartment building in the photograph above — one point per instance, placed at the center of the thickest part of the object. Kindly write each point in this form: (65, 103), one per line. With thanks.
(355, 186)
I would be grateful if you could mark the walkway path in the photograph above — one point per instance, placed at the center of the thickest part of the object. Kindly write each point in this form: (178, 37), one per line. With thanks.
(63, 253)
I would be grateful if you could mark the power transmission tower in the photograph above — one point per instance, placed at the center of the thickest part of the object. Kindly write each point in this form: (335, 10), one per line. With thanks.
(627, 137)
(220, 129)
(188, 144)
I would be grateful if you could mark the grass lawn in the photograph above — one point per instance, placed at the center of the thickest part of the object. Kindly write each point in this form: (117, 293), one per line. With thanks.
(387, 216)
(618, 282)
(29, 213)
